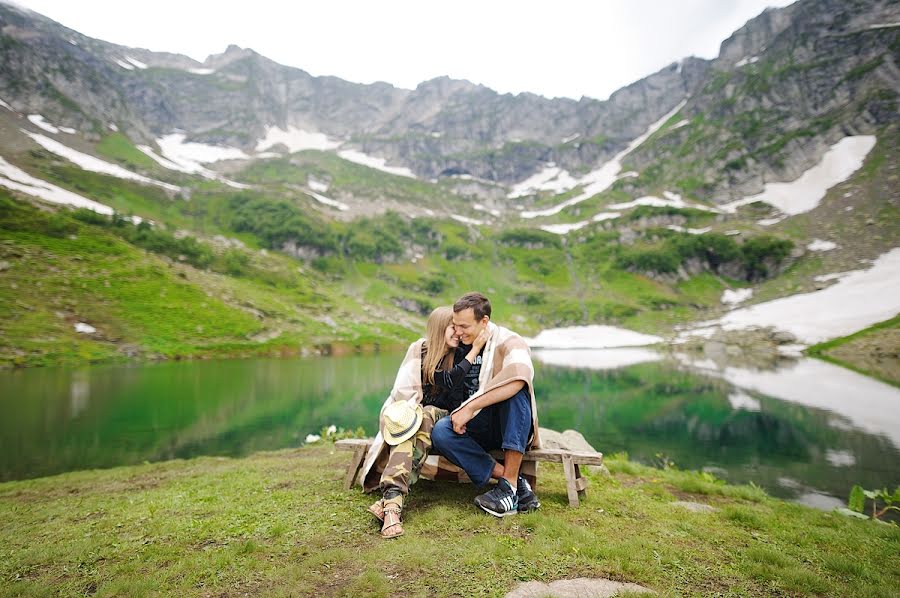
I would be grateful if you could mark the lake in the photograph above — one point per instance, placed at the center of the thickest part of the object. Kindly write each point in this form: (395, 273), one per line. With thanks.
(806, 432)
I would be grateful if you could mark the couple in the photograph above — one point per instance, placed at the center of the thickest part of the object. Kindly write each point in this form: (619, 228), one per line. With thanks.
(464, 390)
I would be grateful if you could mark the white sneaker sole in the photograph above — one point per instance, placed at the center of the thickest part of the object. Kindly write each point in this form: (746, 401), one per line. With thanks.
(495, 513)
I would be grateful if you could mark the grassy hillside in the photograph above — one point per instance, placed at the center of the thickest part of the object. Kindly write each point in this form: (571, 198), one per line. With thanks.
(278, 524)
(268, 269)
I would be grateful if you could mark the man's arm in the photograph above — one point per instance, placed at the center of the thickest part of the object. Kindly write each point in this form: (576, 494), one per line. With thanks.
(491, 397)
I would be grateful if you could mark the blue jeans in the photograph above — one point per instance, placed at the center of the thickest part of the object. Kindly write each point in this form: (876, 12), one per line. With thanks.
(505, 425)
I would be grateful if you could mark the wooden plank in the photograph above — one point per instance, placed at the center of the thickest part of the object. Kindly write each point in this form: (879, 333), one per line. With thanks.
(557, 455)
(580, 482)
(569, 470)
(351, 444)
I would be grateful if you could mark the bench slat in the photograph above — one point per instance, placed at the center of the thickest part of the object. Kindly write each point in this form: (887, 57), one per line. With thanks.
(550, 455)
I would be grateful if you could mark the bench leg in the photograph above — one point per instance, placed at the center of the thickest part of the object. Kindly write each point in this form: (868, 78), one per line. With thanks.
(570, 469)
(355, 463)
(580, 482)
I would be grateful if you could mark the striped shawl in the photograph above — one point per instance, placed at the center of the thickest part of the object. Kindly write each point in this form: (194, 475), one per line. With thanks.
(506, 358)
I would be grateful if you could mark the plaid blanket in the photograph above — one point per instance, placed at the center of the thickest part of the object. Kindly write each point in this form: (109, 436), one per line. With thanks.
(506, 358)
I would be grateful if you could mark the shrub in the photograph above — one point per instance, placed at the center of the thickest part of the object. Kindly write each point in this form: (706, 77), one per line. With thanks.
(524, 237)
(759, 252)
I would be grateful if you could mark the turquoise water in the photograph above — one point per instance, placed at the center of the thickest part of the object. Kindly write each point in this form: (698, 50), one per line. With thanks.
(741, 425)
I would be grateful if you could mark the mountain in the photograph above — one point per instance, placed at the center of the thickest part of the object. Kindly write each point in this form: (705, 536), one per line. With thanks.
(334, 214)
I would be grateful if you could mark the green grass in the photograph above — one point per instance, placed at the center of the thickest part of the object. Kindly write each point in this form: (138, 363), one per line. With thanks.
(62, 271)
(118, 147)
(881, 337)
(279, 524)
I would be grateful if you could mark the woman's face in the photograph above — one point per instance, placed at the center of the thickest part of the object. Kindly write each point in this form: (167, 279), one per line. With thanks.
(450, 337)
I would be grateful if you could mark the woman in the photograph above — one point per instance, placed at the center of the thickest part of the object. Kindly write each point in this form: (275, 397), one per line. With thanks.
(406, 424)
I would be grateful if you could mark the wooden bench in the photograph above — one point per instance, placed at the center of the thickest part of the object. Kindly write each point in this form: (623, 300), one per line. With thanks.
(576, 484)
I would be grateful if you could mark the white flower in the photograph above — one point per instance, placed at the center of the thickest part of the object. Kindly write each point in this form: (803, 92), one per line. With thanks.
(310, 438)
(332, 429)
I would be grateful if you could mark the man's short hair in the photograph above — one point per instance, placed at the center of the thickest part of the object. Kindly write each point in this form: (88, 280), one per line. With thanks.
(480, 304)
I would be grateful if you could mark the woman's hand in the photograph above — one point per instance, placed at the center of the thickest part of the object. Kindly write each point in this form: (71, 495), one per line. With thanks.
(481, 340)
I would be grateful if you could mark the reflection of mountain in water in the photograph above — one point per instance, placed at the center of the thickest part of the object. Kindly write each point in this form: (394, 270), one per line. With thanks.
(60, 420)
(787, 447)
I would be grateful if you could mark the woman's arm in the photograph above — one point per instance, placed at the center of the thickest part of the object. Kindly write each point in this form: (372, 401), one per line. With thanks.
(454, 377)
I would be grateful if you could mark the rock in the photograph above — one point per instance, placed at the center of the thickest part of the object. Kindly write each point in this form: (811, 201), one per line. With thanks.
(696, 507)
(4, 265)
(581, 587)
(783, 337)
(570, 440)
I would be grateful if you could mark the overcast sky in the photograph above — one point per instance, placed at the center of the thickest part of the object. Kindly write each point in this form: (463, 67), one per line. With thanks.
(563, 48)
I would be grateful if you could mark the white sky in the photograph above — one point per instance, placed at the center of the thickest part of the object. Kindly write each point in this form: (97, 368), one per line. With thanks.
(563, 48)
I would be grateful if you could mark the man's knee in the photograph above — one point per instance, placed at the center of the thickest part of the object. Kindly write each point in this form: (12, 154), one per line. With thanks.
(442, 432)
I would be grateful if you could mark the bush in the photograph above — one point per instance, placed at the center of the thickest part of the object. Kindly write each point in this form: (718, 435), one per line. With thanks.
(525, 237)
(760, 252)
(662, 260)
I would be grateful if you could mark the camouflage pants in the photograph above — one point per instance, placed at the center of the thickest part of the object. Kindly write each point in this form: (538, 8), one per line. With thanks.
(406, 459)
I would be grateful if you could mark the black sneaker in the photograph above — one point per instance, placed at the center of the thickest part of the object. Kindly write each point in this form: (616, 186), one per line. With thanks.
(528, 500)
(500, 500)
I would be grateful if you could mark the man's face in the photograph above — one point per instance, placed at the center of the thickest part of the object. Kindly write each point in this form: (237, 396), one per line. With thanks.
(466, 326)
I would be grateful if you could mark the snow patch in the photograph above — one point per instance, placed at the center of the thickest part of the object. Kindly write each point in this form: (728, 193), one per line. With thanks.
(741, 401)
(591, 337)
(202, 71)
(833, 276)
(770, 221)
(481, 208)
(884, 25)
(802, 195)
(858, 300)
(88, 162)
(840, 458)
(550, 178)
(330, 202)
(562, 229)
(376, 163)
(746, 60)
(41, 123)
(125, 65)
(316, 186)
(17, 179)
(602, 178)
(572, 137)
(296, 140)
(595, 359)
(465, 220)
(84, 328)
(690, 231)
(820, 245)
(191, 154)
(135, 62)
(733, 297)
(7, 106)
(669, 199)
(681, 123)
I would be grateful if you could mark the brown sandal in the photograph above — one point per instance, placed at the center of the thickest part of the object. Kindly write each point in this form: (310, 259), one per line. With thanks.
(377, 509)
(393, 524)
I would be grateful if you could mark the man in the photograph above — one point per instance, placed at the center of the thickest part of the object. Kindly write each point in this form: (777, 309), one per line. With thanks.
(500, 412)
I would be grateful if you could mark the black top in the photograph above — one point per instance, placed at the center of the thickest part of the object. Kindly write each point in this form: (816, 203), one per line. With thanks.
(448, 390)
(471, 378)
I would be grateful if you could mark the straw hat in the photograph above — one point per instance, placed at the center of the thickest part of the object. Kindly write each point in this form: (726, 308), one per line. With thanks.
(401, 422)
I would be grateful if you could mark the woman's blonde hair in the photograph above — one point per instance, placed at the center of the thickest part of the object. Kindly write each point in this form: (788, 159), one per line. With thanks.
(436, 348)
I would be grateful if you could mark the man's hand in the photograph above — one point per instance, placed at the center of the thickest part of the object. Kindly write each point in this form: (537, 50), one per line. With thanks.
(460, 418)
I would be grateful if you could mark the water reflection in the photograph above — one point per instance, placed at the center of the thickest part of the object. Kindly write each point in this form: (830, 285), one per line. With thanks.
(807, 432)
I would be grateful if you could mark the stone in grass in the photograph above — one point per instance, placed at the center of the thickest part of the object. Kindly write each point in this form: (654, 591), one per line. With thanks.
(696, 507)
(581, 587)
